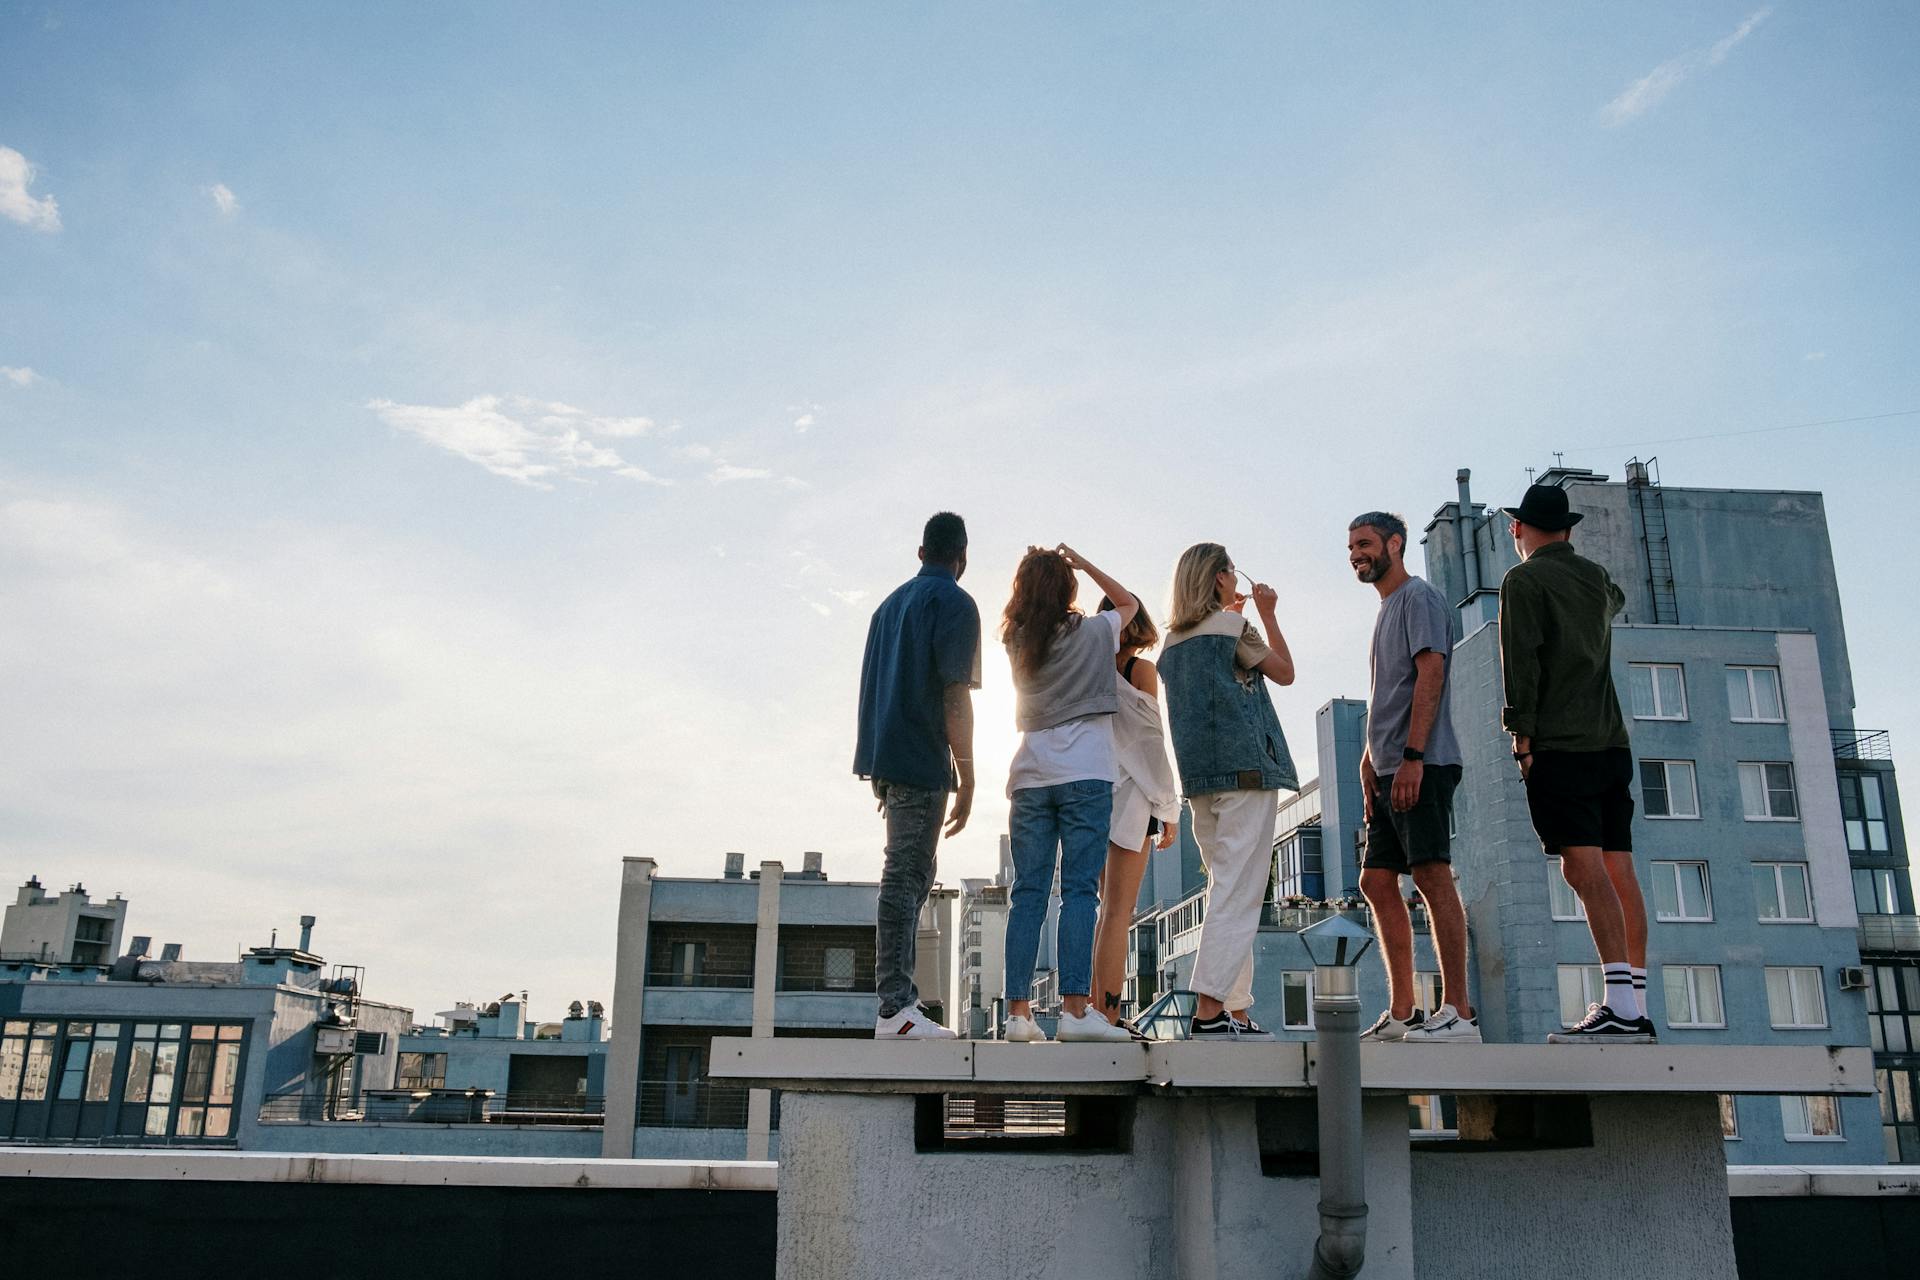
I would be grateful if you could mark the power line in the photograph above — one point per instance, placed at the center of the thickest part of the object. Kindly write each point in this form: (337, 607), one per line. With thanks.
(1750, 431)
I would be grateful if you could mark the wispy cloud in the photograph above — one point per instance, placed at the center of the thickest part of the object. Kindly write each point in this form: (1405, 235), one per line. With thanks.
(544, 443)
(1646, 93)
(808, 419)
(727, 473)
(19, 377)
(223, 199)
(41, 213)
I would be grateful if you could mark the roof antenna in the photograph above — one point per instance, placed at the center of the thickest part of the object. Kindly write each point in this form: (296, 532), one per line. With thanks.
(1529, 477)
(1559, 459)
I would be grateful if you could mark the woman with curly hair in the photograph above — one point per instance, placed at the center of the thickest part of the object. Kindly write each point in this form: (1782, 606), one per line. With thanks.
(1061, 780)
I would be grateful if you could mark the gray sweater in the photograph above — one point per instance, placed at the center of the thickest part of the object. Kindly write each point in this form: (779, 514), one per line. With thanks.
(1076, 679)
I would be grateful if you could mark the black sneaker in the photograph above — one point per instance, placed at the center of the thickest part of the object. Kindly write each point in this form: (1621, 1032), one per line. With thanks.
(1224, 1026)
(1646, 1026)
(1127, 1025)
(1603, 1026)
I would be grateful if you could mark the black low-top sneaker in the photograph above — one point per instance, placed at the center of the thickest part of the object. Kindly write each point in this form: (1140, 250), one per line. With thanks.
(1646, 1025)
(1603, 1026)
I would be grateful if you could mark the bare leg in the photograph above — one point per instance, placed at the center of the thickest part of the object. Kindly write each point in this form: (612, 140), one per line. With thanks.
(1119, 887)
(1449, 920)
(1395, 929)
(1586, 870)
(1633, 908)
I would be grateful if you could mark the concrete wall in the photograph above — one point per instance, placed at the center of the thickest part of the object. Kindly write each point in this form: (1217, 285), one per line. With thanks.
(543, 1140)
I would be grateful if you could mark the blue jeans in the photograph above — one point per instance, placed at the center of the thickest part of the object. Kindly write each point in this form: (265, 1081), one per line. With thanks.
(913, 831)
(1070, 819)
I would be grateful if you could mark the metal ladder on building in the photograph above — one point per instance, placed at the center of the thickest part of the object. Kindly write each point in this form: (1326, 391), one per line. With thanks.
(1650, 506)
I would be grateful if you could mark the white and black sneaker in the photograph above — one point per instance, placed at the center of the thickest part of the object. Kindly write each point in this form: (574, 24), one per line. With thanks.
(1446, 1026)
(1386, 1027)
(911, 1023)
(1224, 1026)
(1603, 1026)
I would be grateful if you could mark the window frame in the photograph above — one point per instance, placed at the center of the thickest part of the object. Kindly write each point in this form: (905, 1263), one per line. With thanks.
(1766, 790)
(1804, 1100)
(1779, 895)
(1706, 890)
(1693, 996)
(1653, 670)
(1793, 990)
(1300, 980)
(1557, 872)
(1853, 787)
(1593, 988)
(1666, 774)
(1779, 694)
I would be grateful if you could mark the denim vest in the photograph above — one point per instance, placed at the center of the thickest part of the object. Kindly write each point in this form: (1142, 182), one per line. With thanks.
(1225, 734)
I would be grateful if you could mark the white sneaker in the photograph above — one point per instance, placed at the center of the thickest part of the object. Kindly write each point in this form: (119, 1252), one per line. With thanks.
(1389, 1028)
(1025, 1031)
(1444, 1026)
(911, 1023)
(1090, 1026)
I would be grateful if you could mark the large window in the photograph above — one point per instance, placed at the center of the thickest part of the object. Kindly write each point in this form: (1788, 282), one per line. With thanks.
(1682, 892)
(1863, 808)
(1296, 1000)
(1795, 1000)
(86, 1073)
(1766, 792)
(1810, 1118)
(1893, 1008)
(1658, 691)
(1581, 985)
(1898, 1126)
(175, 1080)
(421, 1071)
(26, 1060)
(1693, 995)
(1875, 891)
(1780, 891)
(1753, 694)
(1667, 789)
(1564, 903)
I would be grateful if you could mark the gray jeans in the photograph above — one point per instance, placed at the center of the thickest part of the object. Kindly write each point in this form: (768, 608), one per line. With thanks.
(913, 832)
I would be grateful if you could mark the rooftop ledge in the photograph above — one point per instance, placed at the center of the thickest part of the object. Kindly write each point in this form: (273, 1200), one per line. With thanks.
(996, 1066)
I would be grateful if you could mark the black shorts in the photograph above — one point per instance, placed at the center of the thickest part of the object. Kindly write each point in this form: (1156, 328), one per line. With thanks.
(1581, 798)
(1402, 841)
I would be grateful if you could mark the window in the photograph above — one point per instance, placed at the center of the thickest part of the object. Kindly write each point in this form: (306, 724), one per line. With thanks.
(689, 964)
(1893, 1008)
(1897, 1120)
(1296, 1000)
(1426, 991)
(1794, 997)
(1693, 995)
(1863, 808)
(1682, 892)
(1580, 985)
(1667, 790)
(13, 1057)
(838, 966)
(1766, 792)
(1729, 1119)
(1810, 1118)
(1753, 694)
(1875, 891)
(1433, 1115)
(1658, 691)
(1564, 903)
(1780, 889)
(422, 1071)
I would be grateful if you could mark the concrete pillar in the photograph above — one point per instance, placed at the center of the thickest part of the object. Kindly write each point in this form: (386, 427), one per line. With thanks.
(766, 982)
(629, 988)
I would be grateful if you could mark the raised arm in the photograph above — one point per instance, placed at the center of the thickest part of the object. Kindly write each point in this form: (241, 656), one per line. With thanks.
(1277, 666)
(1124, 602)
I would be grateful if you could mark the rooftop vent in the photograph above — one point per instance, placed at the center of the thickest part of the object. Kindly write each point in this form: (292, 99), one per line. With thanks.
(170, 951)
(810, 861)
(736, 865)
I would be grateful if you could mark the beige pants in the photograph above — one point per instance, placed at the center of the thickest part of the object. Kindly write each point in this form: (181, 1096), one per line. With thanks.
(1235, 833)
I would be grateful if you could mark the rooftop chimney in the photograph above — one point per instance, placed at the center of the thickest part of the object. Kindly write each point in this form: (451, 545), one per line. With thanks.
(736, 865)
(306, 933)
(810, 862)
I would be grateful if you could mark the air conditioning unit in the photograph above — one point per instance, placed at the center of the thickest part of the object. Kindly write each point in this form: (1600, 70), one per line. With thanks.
(372, 1043)
(1853, 978)
(331, 1041)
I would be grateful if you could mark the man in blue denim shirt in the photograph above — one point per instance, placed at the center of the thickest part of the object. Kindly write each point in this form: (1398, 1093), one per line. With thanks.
(916, 745)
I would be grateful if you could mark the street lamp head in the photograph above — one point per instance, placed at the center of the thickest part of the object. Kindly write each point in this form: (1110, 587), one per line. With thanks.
(1336, 942)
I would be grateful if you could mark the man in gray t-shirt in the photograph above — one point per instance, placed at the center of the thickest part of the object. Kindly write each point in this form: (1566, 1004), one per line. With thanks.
(1408, 772)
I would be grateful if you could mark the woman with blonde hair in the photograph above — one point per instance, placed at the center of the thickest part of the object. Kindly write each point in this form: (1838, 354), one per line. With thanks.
(1061, 780)
(1146, 804)
(1233, 762)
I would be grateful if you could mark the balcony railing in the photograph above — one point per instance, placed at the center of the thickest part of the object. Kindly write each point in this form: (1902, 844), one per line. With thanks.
(1889, 933)
(724, 981)
(692, 1104)
(1861, 744)
(435, 1106)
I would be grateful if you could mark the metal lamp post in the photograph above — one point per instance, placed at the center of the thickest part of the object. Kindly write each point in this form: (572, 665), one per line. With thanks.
(1336, 945)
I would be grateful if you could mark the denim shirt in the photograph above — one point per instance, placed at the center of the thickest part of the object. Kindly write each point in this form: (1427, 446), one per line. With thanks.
(1226, 736)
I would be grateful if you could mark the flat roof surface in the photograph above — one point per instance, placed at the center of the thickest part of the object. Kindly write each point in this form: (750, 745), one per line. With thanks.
(939, 1066)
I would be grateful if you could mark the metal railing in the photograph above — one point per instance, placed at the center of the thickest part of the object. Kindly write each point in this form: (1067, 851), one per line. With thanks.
(692, 1104)
(1889, 933)
(434, 1106)
(1861, 744)
(725, 980)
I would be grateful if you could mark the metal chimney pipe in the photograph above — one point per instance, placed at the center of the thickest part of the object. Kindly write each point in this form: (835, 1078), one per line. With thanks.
(1469, 537)
(306, 933)
(1341, 1249)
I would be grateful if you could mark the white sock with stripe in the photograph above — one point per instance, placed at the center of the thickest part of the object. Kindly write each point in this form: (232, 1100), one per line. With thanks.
(1620, 995)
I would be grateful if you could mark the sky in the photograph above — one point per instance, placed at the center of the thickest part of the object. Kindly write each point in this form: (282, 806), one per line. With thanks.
(446, 449)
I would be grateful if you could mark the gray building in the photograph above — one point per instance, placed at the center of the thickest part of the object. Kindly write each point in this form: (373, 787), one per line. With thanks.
(64, 928)
(763, 953)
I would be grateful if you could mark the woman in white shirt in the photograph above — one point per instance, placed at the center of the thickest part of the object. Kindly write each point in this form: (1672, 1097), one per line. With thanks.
(1061, 780)
(1146, 805)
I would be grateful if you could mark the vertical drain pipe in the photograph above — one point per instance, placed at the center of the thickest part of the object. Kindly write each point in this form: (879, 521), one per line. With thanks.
(1341, 1249)
(1467, 534)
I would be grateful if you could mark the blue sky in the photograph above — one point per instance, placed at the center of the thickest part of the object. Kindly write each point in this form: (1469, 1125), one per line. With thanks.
(444, 450)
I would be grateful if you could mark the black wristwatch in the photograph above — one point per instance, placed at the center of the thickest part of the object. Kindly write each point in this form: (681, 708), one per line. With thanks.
(1409, 754)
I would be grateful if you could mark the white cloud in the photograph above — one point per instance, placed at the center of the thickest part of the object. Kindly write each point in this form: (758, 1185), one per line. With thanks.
(19, 377)
(726, 473)
(803, 422)
(224, 199)
(1645, 93)
(1815, 355)
(41, 213)
(848, 597)
(533, 451)
(558, 413)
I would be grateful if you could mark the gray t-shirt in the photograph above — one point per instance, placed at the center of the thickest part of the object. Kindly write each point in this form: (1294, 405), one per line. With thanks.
(1412, 620)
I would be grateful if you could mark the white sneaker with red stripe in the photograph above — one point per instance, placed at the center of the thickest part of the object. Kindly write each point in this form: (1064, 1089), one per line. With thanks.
(911, 1023)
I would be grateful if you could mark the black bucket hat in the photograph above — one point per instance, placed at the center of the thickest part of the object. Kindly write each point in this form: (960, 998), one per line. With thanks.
(1545, 507)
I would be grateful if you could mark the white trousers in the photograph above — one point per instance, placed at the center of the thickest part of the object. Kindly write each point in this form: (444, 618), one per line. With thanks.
(1235, 833)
